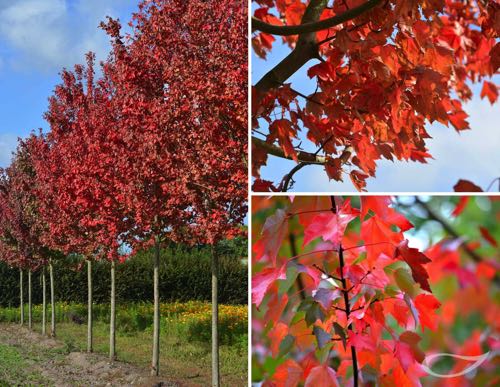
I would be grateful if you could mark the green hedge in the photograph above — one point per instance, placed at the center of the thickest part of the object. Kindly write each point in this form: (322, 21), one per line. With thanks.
(185, 274)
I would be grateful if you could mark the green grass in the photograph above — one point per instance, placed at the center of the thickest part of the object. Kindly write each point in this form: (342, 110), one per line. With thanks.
(15, 368)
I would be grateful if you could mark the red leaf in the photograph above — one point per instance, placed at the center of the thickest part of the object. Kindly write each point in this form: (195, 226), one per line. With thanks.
(458, 120)
(466, 186)
(273, 232)
(322, 376)
(380, 205)
(287, 374)
(379, 238)
(263, 280)
(489, 90)
(426, 305)
(487, 235)
(403, 353)
(462, 203)
(358, 179)
(415, 259)
(330, 226)
(283, 130)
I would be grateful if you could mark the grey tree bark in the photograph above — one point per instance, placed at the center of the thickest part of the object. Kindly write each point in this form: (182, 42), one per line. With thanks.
(44, 302)
(21, 295)
(30, 306)
(155, 365)
(52, 301)
(215, 319)
(89, 306)
(112, 319)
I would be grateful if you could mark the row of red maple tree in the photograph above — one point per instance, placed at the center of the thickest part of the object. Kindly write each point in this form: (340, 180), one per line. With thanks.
(145, 147)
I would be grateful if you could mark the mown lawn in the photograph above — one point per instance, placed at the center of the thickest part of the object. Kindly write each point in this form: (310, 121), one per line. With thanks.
(185, 339)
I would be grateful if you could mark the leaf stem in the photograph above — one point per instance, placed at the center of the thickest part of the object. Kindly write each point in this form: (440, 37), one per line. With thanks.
(346, 301)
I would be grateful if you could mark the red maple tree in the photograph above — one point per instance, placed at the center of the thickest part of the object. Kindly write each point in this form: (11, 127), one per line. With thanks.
(383, 70)
(181, 136)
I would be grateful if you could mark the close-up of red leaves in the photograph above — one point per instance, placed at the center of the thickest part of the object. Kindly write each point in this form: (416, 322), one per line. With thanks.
(365, 291)
(382, 72)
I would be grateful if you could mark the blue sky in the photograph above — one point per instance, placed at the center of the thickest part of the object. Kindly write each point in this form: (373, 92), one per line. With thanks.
(472, 154)
(37, 39)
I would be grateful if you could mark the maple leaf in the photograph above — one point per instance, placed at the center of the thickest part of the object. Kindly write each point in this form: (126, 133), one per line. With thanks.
(466, 186)
(322, 376)
(263, 280)
(283, 130)
(380, 205)
(273, 232)
(330, 226)
(287, 374)
(379, 238)
(457, 119)
(404, 354)
(415, 259)
(276, 336)
(489, 90)
(426, 305)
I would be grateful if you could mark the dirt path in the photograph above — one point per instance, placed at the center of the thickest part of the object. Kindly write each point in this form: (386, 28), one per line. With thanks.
(28, 358)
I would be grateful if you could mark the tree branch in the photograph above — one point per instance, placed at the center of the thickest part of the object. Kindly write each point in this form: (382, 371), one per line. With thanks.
(313, 26)
(346, 302)
(289, 176)
(302, 156)
(451, 231)
(305, 50)
(448, 228)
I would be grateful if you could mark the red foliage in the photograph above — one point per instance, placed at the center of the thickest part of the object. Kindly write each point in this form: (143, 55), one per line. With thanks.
(383, 76)
(21, 225)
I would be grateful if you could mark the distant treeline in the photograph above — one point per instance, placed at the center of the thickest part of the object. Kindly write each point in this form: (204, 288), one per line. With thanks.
(184, 275)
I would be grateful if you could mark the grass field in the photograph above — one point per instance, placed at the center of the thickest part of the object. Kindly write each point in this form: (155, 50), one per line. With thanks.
(185, 338)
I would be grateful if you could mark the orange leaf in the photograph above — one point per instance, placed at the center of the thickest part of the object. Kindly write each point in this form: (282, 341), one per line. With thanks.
(426, 305)
(489, 90)
(287, 374)
(322, 376)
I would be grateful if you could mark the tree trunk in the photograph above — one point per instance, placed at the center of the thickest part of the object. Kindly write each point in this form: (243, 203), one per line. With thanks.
(112, 319)
(215, 319)
(52, 302)
(155, 365)
(21, 295)
(30, 306)
(89, 306)
(44, 302)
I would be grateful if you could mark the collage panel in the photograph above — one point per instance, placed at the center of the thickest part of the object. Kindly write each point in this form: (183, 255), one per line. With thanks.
(375, 290)
(123, 193)
(146, 236)
(377, 96)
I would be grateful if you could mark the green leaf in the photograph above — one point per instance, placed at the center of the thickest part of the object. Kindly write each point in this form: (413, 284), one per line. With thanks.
(285, 285)
(339, 330)
(286, 345)
(322, 337)
(323, 353)
(405, 281)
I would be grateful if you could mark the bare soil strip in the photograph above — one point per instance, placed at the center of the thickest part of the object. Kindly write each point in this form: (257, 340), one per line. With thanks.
(45, 361)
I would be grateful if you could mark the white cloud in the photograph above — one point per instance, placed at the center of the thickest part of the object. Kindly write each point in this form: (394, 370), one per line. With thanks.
(50, 34)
